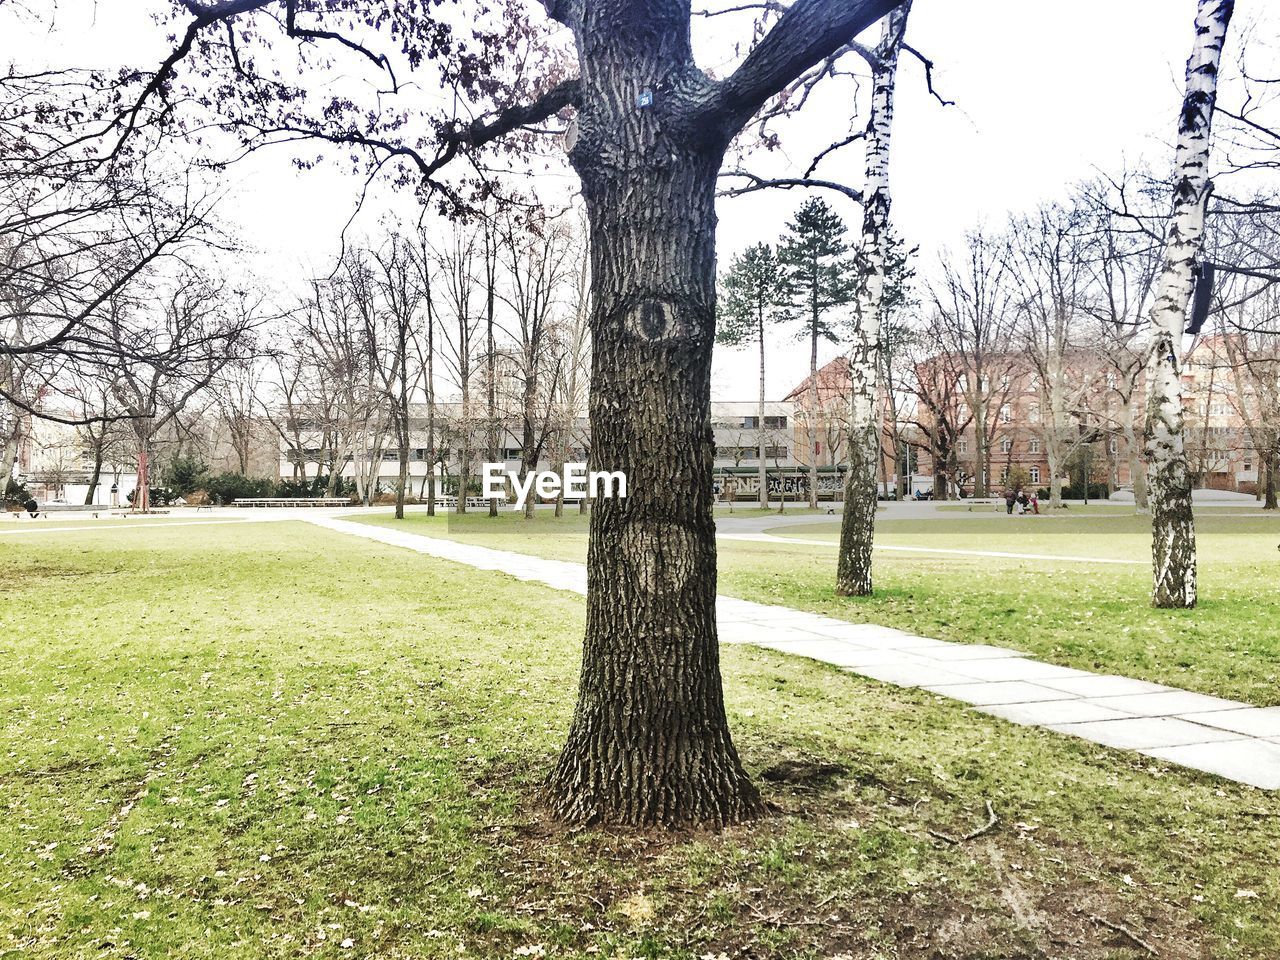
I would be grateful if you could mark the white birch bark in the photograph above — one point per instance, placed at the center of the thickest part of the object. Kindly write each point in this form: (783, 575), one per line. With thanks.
(1173, 534)
(857, 528)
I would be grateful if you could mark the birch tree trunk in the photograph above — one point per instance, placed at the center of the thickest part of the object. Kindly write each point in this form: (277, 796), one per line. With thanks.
(857, 526)
(1173, 536)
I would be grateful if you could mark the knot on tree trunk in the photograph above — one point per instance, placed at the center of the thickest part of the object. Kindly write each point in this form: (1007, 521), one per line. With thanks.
(659, 557)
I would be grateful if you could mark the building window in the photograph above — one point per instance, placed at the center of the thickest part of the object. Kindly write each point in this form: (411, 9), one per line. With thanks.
(962, 446)
(775, 423)
(1034, 446)
(1006, 445)
(1114, 445)
(1006, 414)
(1035, 474)
(776, 453)
(750, 423)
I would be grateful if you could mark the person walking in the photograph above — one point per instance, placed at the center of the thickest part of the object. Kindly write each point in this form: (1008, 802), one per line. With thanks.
(1010, 495)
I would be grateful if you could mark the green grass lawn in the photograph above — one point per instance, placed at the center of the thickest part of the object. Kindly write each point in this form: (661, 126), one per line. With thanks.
(1089, 616)
(270, 740)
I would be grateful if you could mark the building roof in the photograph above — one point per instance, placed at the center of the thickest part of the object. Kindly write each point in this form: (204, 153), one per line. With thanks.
(834, 383)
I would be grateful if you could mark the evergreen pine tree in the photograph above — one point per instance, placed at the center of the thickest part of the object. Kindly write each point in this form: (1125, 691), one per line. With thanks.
(821, 279)
(750, 294)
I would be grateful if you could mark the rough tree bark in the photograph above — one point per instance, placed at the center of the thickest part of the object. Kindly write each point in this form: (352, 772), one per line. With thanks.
(857, 527)
(650, 741)
(1173, 536)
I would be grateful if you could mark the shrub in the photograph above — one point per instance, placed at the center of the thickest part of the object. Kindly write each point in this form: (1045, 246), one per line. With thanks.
(230, 487)
(157, 496)
(185, 474)
(1018, 478)
(315, 487)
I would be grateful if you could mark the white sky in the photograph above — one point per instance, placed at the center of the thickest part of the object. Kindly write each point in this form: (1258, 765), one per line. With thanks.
(1047, 94)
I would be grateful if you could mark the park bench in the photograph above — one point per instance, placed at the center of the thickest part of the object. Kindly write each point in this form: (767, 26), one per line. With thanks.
(983, 503)
(292, 502)
(452, 501)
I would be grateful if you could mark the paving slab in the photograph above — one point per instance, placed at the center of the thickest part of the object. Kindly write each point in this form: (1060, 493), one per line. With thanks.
(910, 674)
(1048, 712)
(1000, 692)
(1255, 762)
(1012, 669)
(1167, 703)
(1251, 721)
(973, 651)
(834, 652)
(763, 635)
(1145, 733)
(1103, 685)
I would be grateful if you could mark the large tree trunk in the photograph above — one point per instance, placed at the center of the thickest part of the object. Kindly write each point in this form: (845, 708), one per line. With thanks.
(857, 526)
(1173, 534)
(650, 741)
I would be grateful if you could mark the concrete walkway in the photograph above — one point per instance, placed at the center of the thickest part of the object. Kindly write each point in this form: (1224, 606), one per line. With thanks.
(1231, 739)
